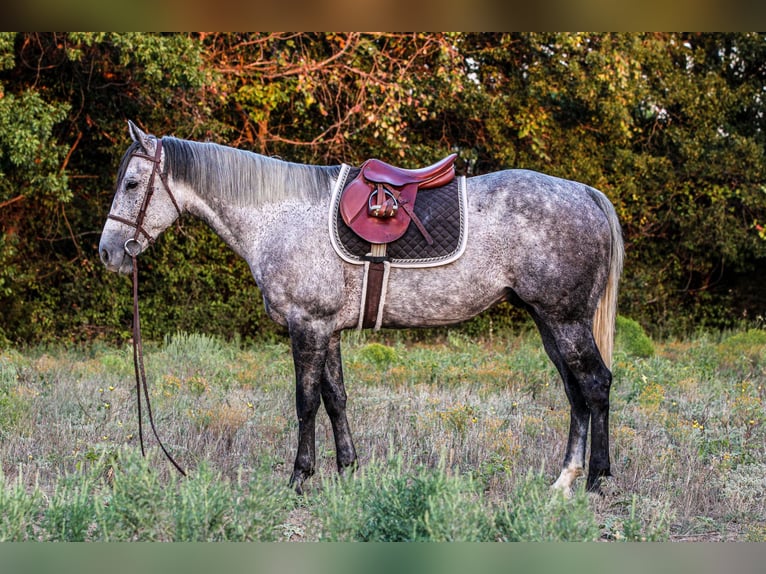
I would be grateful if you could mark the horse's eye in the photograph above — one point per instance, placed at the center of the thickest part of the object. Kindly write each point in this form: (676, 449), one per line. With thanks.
(131, 185)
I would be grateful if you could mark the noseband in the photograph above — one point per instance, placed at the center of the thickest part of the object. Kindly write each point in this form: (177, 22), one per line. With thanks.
(133, 248)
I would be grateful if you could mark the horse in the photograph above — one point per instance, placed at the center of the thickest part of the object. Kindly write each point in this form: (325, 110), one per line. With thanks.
(550, 246)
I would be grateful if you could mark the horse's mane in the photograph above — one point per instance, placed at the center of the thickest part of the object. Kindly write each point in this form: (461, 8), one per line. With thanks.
(242, 177)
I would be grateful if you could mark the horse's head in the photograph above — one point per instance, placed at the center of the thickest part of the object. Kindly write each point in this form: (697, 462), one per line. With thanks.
(143, 205)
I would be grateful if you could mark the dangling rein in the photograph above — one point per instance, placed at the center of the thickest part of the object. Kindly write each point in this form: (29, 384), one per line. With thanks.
(138, 363)
(132, 249)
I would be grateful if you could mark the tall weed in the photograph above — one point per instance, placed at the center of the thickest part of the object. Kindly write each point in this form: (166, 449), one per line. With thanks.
(21, 506)
(535, 513)
(384, 503)
(71, 511)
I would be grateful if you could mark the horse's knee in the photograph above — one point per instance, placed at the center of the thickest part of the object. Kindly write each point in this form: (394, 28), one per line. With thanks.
(307, 404)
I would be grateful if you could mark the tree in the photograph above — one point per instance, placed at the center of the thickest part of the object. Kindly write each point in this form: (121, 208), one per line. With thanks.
(670, 126)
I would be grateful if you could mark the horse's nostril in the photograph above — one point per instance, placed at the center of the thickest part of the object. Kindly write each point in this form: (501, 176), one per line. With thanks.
(105, 256)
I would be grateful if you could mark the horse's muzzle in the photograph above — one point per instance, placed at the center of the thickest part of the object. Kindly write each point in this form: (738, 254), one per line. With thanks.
(116, 259)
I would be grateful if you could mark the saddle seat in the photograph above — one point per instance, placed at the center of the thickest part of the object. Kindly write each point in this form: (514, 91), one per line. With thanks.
(370, 204)
(377, 171)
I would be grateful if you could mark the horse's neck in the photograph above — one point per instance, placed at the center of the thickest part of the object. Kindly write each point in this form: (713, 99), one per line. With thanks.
(244, 225)
(225, 220)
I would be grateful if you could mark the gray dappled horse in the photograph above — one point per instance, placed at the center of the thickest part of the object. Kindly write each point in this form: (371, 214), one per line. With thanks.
(551, 246)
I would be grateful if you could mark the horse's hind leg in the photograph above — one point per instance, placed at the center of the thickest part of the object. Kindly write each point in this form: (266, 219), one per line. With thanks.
(579, 413)
(592, 382)
(334, 399)
(587, 381)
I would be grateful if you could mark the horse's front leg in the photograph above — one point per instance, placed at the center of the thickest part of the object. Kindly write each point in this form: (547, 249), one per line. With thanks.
(309, 346)
(334, 399)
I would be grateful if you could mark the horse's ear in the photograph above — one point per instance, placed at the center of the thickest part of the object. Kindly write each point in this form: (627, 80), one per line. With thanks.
(145, 140)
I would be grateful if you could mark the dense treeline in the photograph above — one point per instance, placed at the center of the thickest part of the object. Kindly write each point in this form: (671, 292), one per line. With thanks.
(670, 126)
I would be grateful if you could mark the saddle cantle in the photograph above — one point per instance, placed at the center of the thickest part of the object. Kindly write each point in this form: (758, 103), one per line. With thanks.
(378, 204)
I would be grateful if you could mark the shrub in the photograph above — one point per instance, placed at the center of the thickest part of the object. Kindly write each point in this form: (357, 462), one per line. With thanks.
(201, 507)
(535, 513)
(378, 354)
(383, 504)
(19, 509)
(750, 343)
(632, 339)
(71, 510)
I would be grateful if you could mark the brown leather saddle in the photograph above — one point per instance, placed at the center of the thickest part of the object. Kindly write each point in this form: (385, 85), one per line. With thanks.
(378, 204)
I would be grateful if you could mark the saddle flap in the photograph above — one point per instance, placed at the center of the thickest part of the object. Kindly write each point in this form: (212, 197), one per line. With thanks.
(354, 205)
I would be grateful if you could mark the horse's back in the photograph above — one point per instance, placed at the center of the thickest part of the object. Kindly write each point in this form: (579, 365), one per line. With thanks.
(532, 192)
(553, 234)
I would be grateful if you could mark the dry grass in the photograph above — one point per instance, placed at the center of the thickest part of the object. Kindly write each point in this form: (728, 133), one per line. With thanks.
(688, 423)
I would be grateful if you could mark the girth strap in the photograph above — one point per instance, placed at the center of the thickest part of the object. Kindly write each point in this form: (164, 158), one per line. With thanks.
(374, 287)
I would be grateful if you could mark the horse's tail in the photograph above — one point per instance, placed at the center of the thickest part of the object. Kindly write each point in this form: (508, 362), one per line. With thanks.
(606, 312)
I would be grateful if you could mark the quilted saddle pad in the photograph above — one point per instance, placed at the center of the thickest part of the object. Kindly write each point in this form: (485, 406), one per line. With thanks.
(441, 210)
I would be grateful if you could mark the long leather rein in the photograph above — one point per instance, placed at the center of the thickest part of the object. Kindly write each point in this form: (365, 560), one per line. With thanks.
(132, 249)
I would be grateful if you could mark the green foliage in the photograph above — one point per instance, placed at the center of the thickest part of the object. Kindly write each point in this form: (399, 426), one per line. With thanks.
(631, 338)
(384, 504)
(19, 508)
(71, 510)
(379, 355)
(7, 40)
(671, 126)
(174, 60)
(746, 341)
(30, 158)
(652, 525)
(136, 504)
(202, 507)
(204, 356)
(13, 405)
(563, 520)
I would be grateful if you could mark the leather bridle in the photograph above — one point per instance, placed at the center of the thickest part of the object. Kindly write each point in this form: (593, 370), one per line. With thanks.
(132, 245)
(132, 249)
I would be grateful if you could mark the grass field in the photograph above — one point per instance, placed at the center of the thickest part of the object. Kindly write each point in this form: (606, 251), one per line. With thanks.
(458, 440)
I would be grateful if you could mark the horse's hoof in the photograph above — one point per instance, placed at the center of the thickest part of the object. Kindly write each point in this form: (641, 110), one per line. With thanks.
(345, 470)
(296, 483)
(594, 484)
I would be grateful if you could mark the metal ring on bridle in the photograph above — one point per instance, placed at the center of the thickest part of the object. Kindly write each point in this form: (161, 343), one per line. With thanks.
(132, 247)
